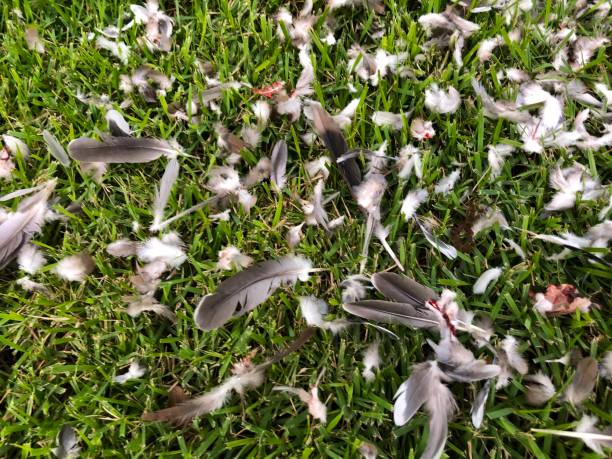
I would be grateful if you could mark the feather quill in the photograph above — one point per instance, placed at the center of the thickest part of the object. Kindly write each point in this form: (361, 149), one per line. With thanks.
(56, 149)
(331, 135)
(587, 432)
(278, 164)
(248, 289)
(19, 227)
(162, 194)
(119, 149)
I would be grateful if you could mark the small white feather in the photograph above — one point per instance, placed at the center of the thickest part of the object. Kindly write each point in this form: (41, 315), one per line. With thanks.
(148, 303)
(446, 185)
(162, 194)
(261, 110)
(541, 391)
(313, 311)
(353, 288)
(587, 425)
(409, 161)
(517, 248)
(606, 366)
(75, 268)
(490, 275)
(168, 249)
(438, 100)
(15, 145)
(134, 372)
(487, 46)
(117, 48)
(421, 129)
(412, 202)
(388, 119)
(496, 156)
(30, 259)
(515, 359)
(294, 235)
(29, 285)
(231, 258)
(371, 360)
(488, 220)
(318, 166)
(122, 248)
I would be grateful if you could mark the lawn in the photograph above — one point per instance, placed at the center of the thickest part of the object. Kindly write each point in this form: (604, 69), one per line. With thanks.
(61, 348)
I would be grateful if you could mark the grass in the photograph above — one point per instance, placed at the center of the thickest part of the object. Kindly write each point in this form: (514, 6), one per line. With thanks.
(60, 351)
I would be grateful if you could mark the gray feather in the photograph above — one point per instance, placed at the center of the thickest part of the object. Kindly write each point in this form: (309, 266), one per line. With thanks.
(117, 125)
(438, 432)
(583, 382)
(331, 135)
(403, 289)
(278, 166)
(67, 444)
(56, 149)
(19, 227)
(480, 402)
(459, 364)
(248, 289)
(425, 388)
(447, 250)
(393, 313)
(162, 194)
(412, 394)
(119, 150)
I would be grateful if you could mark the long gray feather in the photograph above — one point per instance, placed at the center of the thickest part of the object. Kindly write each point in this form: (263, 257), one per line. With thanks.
(438, 432)
(327, 129)
(403, 289)
(19, 227)
(162, 194)
(56, 149)
(119, 149)
(425, 388)
(393, 313)
(248, 289)
(67, 444)
(278, 164)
